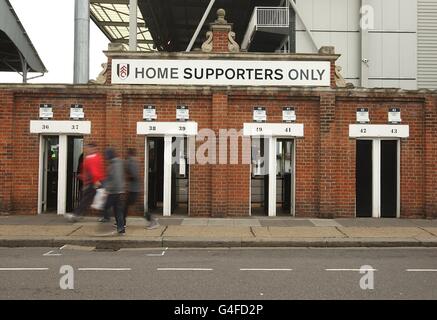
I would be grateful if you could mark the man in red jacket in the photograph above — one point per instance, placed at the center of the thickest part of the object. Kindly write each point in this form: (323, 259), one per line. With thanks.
(93, 175)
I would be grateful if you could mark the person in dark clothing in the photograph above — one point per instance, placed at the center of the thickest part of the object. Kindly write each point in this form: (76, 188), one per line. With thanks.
(114, 185)
(133, 181)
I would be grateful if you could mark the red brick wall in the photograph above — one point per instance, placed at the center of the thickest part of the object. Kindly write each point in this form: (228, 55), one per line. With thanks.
(6, 148)
(325, 157)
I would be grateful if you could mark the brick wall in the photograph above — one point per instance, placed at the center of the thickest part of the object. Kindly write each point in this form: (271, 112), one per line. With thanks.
(325, 157)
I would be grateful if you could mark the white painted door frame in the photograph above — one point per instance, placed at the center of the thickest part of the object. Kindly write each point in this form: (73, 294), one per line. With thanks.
(62, 174)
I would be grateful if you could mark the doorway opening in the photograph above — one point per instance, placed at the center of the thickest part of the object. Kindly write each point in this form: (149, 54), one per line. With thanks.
(284, 176)
(363, 178)
(377, 178)
(259, 177)
(50, 174)
(389, 178)
(74, 169)
(155, 156)
(179, 176)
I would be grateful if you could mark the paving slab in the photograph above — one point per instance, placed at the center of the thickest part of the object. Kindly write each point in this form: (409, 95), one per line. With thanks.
(105, 230)
(195, 222)
(170, 221)
(374, 222)
(201, 242)
(384, 232)
(432, 230)
(209, 231)
(298, 232)
(36, 230)
(285, 223)
(324, 223)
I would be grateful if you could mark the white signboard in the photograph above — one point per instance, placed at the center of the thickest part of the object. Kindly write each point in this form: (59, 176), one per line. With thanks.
(76, 111)
(167, 128)
(288, 114)
(182, 113)
(149, 113)
(45, 111)
(259, 114)
(378, 131)
(221, 72)
(273, 129)
(363, 115)
(60, 127)
(394, 115)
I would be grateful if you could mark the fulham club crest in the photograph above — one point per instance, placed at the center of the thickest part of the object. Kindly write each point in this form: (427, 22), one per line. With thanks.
(123, 70)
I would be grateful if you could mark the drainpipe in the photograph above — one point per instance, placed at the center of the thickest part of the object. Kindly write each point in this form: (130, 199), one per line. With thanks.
(81, 41)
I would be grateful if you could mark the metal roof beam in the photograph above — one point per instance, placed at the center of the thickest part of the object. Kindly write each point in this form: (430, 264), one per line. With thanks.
(109, 1)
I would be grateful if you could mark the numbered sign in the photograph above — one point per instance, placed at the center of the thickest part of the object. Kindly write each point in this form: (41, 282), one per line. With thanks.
(394, 115)
(76, 112)
(273, 129)
(288, 114)
(363, 115)
(378, 131)
(182, 113)
(45, 111)
(167, 128)
(259, 114)
(60, 127)
(149, 113)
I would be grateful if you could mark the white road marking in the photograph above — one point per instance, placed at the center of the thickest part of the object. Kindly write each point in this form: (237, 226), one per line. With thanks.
(157, 254)
(24, 269)
(104, 269)
(258, 269)
(421, 270)
(351, 269)
(184, 269)
(51, 254)
(62, 247)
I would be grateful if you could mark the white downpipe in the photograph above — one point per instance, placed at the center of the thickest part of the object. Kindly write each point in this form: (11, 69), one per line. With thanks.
(41, 173)
(62, 175)
(133, 8)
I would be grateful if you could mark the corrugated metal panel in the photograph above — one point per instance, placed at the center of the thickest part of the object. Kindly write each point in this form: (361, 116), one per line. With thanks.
(427, 44)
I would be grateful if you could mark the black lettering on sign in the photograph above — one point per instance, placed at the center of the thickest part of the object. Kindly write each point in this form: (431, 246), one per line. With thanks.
(394, 131)
(152, 128)
(259, 129)
(75, 127)
(363, 130)
(182, 128)
(288, 130)
(45, 127)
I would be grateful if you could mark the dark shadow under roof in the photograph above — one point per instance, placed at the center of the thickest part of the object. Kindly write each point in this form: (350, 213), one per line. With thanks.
(15, 43)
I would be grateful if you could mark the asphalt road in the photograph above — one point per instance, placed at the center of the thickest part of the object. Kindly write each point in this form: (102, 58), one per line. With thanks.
(228, 274)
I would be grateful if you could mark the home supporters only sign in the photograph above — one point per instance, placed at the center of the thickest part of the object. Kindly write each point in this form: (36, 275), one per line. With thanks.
(221, 72)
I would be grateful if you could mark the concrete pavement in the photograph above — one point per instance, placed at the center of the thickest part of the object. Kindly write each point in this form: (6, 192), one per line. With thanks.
(179, 231)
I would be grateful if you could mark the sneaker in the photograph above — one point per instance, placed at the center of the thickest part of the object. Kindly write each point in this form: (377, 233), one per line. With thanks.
(103, 220)
(121, 232)
(153, 225)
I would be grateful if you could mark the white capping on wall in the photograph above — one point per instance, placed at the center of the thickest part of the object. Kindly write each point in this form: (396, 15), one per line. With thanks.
(274, 129)
(379, 131)
(60, 127)
(188, 128)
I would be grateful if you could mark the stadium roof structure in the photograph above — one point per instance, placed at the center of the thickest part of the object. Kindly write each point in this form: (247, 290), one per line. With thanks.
(169, 25)
(112, 18)
(17, 52)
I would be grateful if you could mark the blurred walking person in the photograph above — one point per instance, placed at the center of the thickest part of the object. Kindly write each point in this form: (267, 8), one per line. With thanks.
(114, 185)
(133, 181)
(93, 175)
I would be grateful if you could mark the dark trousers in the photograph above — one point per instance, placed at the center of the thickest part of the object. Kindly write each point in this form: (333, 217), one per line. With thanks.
(113, 202)
(130, 200)
(85, 201)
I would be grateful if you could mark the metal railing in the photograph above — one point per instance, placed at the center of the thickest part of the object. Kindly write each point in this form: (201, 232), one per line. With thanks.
(272, 17)
(266, 17)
